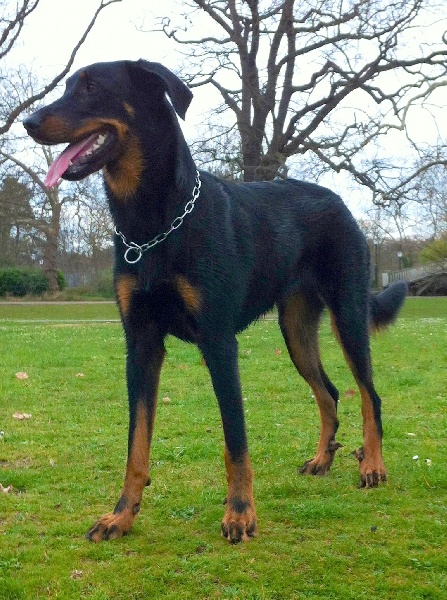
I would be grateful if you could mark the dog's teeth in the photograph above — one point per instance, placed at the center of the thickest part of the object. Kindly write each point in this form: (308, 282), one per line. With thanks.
(99, 142)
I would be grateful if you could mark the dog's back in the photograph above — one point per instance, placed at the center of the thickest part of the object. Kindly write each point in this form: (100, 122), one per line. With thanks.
(269, 239)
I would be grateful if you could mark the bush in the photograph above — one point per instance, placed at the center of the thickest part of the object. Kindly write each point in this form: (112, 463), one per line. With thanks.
(61, 281)
(20, 282)
(104, 284)
(436, 251)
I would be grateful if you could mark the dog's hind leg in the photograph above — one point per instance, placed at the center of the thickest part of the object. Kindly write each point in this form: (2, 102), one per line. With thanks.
(239, 521)
(351, 325)
(299, 318)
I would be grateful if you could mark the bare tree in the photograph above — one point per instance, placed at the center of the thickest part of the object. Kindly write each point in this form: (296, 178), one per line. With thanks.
(19, 89)
(12, 100)
(15, 217)
(430, 199)
(48, 204)
(322, 77)
(82, 204)
(89, 223)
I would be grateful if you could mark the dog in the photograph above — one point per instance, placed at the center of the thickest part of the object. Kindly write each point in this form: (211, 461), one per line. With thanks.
(201, 258)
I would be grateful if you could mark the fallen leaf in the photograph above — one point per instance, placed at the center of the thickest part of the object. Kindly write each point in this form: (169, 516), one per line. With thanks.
(5, 490)
(76, 574)
(21, 416)
(278, 352)
(22, 375)
(79, 375)
(349, 393)
(166, 400)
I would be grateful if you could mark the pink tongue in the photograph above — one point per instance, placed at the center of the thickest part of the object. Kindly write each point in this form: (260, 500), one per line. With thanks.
(62, 163)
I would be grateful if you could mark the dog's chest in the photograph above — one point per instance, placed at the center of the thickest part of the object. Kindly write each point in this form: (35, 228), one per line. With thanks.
(173, 304)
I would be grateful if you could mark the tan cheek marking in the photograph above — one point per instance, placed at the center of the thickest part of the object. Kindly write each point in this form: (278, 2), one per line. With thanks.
(123, 178)
(55, 129)
(190, 295)
(96, 124)
(121, 128)
(125, 286)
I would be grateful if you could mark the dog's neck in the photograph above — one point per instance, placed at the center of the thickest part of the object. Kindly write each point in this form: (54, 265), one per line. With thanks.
(154, 189)
(134, 252)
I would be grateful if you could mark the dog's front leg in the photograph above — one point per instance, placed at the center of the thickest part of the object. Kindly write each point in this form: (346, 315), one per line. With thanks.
(145, 352)
(239, 522)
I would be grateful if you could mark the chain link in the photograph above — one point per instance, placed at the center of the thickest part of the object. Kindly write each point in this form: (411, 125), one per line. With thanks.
(138, 250)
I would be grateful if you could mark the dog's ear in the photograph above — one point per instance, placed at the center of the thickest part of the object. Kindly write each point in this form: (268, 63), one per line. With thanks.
(179, 94)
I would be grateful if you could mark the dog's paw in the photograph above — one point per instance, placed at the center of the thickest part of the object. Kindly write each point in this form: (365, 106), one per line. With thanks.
(111, 527)
(239, 522)
(372, 472)
(321, 463)
(315, 467)
(372, 478)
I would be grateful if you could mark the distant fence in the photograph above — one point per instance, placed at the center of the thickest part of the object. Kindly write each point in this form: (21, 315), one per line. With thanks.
(77, 279)
(412, 274)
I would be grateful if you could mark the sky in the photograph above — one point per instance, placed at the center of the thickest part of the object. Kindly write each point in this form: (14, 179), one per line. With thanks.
(115, 36)
(56, 25)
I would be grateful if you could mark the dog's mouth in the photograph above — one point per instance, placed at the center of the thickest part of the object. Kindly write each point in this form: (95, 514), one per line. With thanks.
(82, 158)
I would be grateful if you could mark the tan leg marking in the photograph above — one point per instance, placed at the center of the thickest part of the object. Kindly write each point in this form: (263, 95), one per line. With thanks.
(117, 523)
(190, 295)
(125, 286)
(327, 446)
(239, 522)
(302, 341)
(372, 467)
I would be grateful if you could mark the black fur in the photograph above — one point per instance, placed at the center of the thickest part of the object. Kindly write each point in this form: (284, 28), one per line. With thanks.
(244, 248)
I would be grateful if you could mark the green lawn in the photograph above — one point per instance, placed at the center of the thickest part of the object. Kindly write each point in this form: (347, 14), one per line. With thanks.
(318, 537)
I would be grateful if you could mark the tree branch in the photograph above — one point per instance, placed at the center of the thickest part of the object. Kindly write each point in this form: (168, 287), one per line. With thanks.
(52, 84)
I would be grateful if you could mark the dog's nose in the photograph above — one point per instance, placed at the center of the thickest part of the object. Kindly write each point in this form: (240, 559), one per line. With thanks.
(32, 123)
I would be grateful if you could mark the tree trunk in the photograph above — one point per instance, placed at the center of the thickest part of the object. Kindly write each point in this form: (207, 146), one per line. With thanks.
(51, 250)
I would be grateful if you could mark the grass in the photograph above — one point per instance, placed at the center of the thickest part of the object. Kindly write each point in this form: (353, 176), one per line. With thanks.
(318, 537)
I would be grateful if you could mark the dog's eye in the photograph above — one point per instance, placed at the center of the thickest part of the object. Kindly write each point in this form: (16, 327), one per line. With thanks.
(90, 85)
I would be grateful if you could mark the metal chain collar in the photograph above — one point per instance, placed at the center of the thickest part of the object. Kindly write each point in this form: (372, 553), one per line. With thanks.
(176, 223)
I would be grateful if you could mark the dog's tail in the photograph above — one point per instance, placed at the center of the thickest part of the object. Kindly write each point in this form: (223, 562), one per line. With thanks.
(385, 307)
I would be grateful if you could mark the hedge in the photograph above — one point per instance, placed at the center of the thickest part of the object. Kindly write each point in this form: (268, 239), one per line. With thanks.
(20, 282)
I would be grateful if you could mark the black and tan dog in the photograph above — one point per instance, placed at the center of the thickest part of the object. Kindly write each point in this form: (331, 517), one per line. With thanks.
(201, 258)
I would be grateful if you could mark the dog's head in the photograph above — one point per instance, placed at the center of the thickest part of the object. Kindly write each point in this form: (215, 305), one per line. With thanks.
(97, 112)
